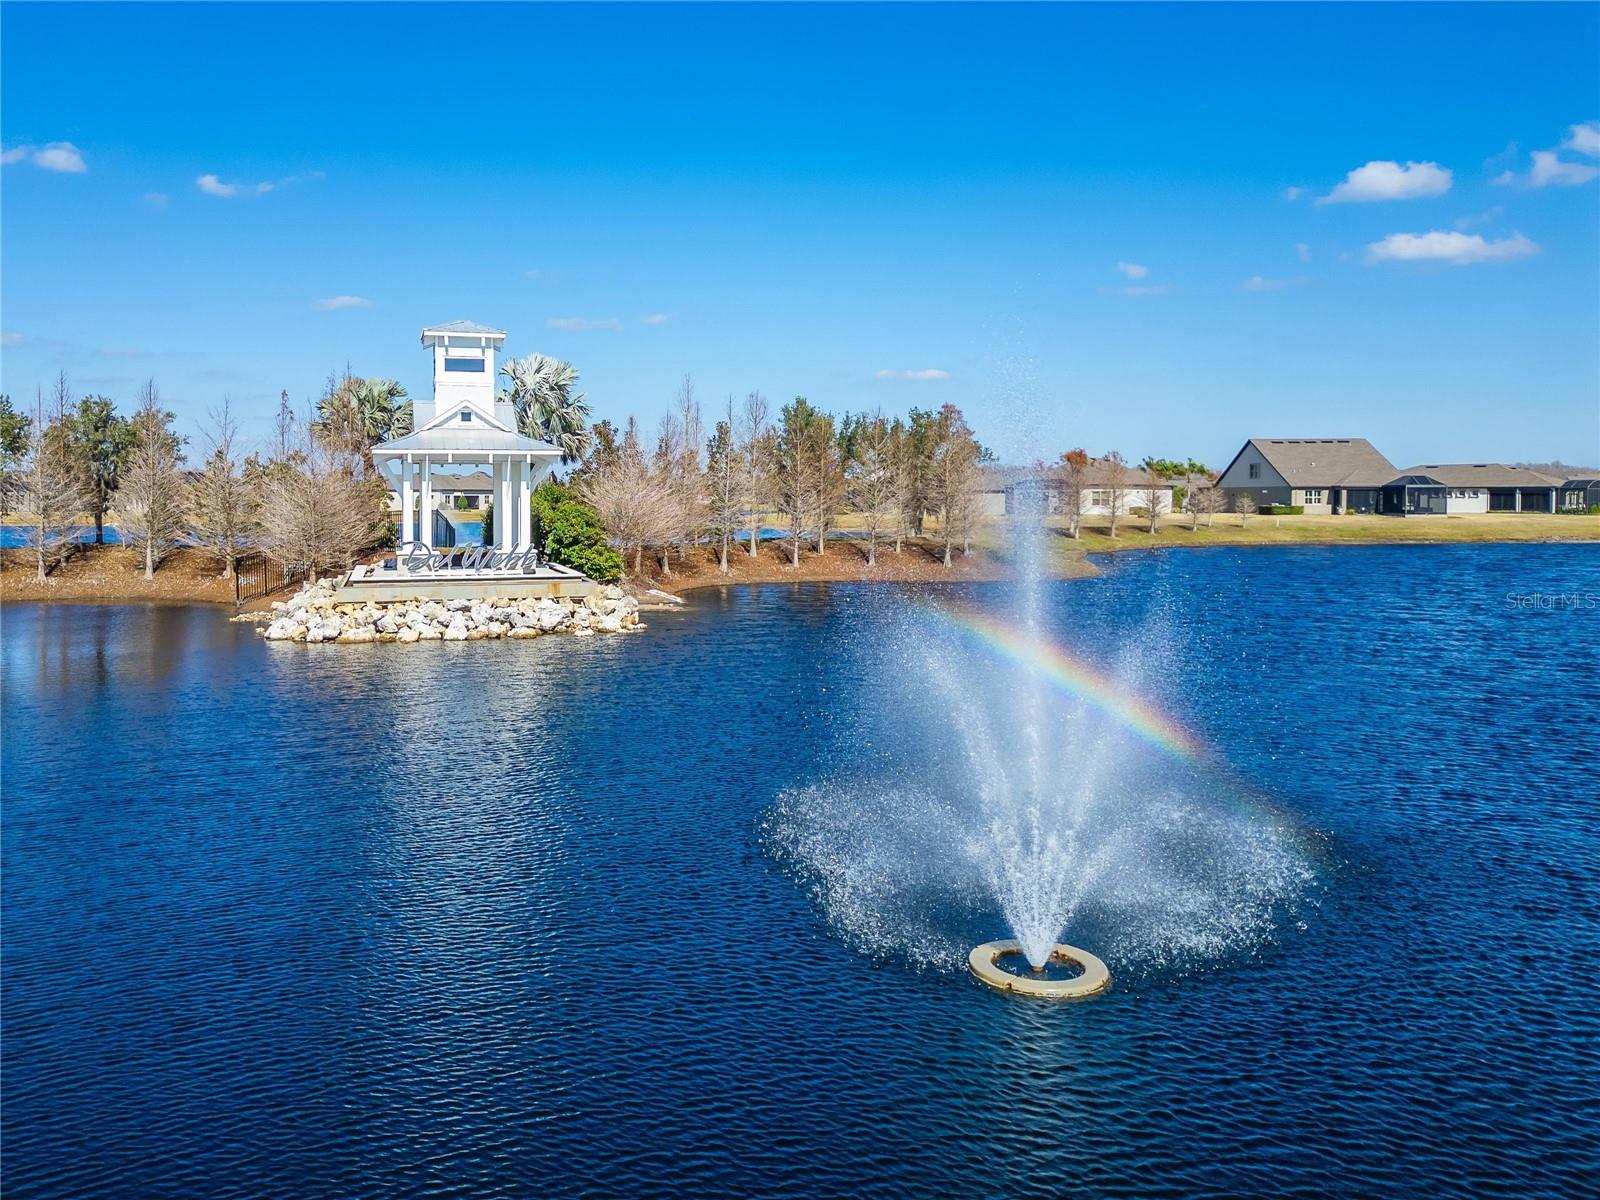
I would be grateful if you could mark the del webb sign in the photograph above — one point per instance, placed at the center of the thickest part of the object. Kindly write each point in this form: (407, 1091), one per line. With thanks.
(419, 559)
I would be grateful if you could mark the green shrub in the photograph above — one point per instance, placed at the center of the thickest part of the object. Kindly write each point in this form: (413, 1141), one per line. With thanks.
(1283, 510)
(566, 531)
(575, 538)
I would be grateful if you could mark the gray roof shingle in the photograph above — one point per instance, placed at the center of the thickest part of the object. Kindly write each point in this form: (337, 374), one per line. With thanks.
(1486, 475)
(1326, 462)
(471, 327)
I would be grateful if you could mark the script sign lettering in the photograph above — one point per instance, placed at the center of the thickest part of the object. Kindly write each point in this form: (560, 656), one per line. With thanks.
(419, 559)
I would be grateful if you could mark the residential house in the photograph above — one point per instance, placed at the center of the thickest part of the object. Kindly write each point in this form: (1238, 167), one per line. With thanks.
(1016, 492)
(1321, 475)
(1486, 487)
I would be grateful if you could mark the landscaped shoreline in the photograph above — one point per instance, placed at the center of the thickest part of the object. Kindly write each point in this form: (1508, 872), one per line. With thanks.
(112, 575)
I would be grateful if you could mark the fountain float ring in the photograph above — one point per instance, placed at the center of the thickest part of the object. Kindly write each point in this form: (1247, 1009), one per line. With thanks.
(984, 963)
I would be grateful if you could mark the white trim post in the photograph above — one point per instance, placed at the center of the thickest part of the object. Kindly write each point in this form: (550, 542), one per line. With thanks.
(408, 518)
(506, 531)
(426, 516)
(524, 505)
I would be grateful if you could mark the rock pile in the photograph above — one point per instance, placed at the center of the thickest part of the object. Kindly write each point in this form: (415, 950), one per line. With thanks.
(310, 615)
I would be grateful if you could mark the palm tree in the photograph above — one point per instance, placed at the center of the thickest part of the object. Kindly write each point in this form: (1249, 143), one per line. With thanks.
(356, 414)
(547, 411)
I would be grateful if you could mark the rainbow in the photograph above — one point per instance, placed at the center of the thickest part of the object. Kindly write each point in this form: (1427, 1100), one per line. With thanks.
(1074, 676)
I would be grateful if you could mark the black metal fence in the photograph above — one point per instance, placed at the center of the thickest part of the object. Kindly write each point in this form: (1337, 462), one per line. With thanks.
(257, 576)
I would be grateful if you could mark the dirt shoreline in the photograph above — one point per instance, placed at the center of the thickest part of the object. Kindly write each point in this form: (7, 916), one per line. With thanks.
(114, 574)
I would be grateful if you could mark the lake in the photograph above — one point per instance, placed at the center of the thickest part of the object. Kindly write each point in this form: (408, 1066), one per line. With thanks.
(501, 919)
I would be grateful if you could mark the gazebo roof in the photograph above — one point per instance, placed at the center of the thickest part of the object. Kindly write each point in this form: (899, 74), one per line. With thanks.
(463, 440)
(467, 327)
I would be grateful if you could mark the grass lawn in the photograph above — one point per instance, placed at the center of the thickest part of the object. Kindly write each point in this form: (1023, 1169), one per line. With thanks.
(1226, 530)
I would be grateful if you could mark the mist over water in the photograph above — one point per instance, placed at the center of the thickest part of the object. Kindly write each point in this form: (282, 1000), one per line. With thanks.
(998, 801)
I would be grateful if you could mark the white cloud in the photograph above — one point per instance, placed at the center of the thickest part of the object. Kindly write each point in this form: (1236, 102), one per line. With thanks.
(156, 199)
(1154, 289)
(1380, 180)
(1259, 283)
(212, 186)
(8, 338)
(927, 375)
(656, 319)
(1460, 249)
(1292, 194)
(1302, 251)
(1548, 169)
(1133, 270)
(1583, 139)
(62, 157)
(335, 303)
(582, 324)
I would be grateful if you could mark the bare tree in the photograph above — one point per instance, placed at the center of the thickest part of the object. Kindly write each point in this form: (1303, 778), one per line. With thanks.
(953, 473)
(223, 505)
(318, 508)
(1245, 505)
(1159, 492)
(756, 454)
(284, 440)
(1074, 479)
(800, 489)
(828, 468)
(1115, 474)
(636, 505)
(1205, 500)
(687, 478)
(910, 495)
(722, 486)
(50, 486)
(871, 482)
(149, 499)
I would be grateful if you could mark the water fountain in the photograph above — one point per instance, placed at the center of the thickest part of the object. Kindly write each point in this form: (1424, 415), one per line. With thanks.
(1053, 794)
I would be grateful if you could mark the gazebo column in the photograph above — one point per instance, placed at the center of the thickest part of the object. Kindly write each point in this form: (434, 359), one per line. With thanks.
(408, 518)
(524, 504)
(426, 516)
(506, 531)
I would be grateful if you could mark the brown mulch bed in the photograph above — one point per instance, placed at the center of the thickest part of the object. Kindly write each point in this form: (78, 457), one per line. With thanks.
(921, 561)
(115, 575)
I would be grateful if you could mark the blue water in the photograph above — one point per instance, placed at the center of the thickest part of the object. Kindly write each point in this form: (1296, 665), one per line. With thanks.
(498, 919)
(14, 536)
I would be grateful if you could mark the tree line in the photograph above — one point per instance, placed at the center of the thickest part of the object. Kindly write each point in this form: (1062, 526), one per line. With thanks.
(314, 501)
(311, 501)
(800, 465)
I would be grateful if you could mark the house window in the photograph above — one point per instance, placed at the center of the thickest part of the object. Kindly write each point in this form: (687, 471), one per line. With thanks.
(464, 364)
(1255, 470)
(1313, 496)
(466, 414)
(1100, 498)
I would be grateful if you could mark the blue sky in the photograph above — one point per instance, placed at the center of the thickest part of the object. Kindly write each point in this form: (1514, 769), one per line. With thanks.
(869, 206)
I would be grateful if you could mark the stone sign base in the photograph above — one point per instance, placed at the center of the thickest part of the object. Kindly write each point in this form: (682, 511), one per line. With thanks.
(381, 584)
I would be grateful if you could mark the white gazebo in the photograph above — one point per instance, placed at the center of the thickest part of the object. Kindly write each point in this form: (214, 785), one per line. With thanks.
(464, 425)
